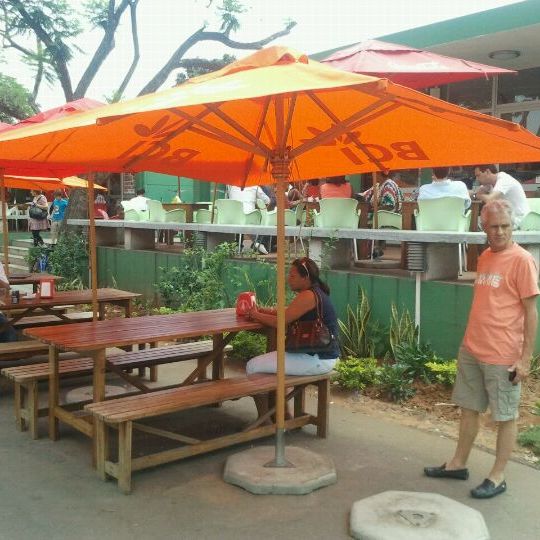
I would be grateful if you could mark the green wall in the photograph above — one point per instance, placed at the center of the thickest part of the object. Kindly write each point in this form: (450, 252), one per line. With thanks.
(444, 306)
(163, 187)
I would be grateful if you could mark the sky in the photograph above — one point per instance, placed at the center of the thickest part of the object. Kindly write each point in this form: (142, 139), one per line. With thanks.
(165, 24)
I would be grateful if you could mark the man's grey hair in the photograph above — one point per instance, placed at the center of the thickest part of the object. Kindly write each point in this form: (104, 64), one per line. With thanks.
(496, 207)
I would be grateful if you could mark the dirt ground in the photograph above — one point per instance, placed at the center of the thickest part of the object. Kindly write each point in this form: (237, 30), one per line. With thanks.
(431, 410)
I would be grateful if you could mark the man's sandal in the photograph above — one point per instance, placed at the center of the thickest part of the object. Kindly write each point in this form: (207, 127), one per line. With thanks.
(443, 472)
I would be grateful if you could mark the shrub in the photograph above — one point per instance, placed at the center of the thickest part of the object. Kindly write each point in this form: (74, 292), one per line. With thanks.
(69, 259)
(396, 383)
(246, 345)
(402, 331)
(197, 284)
(413, 358)
(531, 439)
(357, 373)
(359, 336)
(443, 373)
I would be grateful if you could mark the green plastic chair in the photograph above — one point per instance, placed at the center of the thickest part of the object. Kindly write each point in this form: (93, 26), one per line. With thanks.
(444, 214)
(531, 221)
(231, 212)
(178, 215)
(269, 218)
(204, 216)
(132, 214)
(388, 220)
(156, 211)
(337, 213)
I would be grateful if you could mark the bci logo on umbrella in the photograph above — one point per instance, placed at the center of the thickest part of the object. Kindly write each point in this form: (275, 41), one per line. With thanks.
(358, 152)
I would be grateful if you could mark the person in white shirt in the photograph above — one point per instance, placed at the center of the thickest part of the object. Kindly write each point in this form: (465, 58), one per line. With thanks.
(442, 186)
(139, 202)
(500, 185)
(249, 197)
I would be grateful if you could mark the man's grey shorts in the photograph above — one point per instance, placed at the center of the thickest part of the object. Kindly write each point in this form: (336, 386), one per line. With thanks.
(479, 385)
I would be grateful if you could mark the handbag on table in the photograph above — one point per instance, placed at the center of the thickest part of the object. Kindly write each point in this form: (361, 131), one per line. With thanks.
(309, 336)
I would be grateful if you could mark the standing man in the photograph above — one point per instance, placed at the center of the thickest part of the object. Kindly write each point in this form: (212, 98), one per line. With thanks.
(495, 355)
(442, 186)
(500, 185)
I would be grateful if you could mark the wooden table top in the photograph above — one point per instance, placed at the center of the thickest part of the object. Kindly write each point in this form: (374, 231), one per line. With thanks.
(30, 277)
(61, 298)
(119, 332)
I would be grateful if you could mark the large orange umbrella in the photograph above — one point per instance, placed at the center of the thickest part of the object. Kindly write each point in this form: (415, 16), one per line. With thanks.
(274, 116)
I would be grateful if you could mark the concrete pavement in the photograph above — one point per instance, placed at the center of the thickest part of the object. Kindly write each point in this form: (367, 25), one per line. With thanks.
(48, 490)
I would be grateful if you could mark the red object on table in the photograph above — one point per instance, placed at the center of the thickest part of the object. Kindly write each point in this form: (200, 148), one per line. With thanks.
(244, 302)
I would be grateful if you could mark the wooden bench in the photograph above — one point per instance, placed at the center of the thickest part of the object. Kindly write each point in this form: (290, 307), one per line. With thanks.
(123, 415)
(26, 378)
(16, 350)
(50, 320)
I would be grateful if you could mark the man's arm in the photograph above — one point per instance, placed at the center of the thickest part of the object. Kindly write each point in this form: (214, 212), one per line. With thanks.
(522, 366)
(486, 197)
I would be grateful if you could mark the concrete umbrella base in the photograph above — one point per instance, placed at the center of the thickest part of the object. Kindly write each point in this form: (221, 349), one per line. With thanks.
(415, 516)
(309, 472)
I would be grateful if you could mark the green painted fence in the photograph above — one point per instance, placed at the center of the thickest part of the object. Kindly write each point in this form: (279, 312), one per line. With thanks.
(444, 306)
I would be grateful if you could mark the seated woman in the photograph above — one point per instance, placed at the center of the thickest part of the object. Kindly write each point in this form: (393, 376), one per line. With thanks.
(312, 190)
(303, 279)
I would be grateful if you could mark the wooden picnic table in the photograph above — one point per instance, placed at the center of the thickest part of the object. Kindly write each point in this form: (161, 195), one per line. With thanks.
(44, 306)
(93, 338)
(31, 278)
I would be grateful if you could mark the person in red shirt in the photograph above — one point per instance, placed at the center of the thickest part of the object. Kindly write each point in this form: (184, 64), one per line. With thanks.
(312, 190)
(336, 187)
(496, 352)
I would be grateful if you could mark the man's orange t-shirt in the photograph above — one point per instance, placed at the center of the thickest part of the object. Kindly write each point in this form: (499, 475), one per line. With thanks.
(495, 330)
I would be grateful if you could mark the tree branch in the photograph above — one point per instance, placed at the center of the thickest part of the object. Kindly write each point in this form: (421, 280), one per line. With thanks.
(202, 35)
(136, 52)
(58, 61)
(106, 45)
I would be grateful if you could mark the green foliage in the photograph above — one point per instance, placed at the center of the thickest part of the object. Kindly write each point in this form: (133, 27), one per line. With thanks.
(396, 382)
(402, 329)
(531, 439)
(359, 336)
(535, 367)
(443, 373)
(69, 259)
(246, 345)
(413, 358)
(34, 253)
(229, 11)
(197, 284)
(357, 373)
(16, 102)
(354, 331)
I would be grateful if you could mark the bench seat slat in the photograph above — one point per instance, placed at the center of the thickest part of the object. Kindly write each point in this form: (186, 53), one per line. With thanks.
(187, 397)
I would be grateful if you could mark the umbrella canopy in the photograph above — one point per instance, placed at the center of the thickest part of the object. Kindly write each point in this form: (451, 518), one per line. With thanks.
(408, 66)
(71, 107)
(227, 126)
(46, 184)
(274, 116)
(76, 182)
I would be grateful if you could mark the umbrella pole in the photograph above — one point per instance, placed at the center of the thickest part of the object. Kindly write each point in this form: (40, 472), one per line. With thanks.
(92, 246)
(5, 234)
(214, 203)
(280, 172)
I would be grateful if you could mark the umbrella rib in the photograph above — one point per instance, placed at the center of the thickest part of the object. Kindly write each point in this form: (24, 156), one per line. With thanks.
(288, 124)
(226, 118)
(337, 130)
(258, 132)
(165, 139)
(352, 136)
(223, 137)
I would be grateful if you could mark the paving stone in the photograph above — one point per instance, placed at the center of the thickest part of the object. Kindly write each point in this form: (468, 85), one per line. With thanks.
(310, 472)
(407, 515)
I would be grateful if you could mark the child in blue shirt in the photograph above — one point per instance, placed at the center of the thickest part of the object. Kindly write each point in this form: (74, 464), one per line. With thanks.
(58, 209)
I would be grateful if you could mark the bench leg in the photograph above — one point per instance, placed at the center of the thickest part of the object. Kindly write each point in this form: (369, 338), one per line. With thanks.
(19, 402)
(33, 407)
(101, 434)
(300, 402)
(53, 393)
(153, 373)
(323, 404)
(125, 431)
(218, 365)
